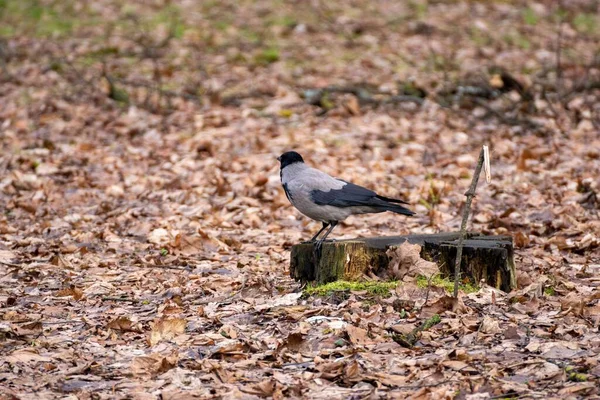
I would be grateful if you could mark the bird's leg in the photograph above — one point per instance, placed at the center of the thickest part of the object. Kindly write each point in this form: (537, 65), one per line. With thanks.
(319, 243)
(325, 225)
(333, 225)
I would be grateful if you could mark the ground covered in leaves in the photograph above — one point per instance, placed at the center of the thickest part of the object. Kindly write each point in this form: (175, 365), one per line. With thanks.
(144, 235)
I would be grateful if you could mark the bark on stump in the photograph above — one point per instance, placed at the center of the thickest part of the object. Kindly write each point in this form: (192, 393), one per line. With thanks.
(487, 258)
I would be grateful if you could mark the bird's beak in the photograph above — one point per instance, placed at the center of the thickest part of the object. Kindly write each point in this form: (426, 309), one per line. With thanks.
(279, 158)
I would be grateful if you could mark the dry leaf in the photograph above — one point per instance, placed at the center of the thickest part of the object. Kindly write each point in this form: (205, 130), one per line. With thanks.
(279, 301)
(166, 329)
(358, 336)
(405, 260)
(122, 324)
(489, 325)
(153, 364)
(71, 291)
(352, 105)
(26, 356)
(159, 237)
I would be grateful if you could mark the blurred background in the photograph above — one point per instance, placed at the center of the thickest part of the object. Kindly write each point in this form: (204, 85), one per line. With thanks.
(119, 102)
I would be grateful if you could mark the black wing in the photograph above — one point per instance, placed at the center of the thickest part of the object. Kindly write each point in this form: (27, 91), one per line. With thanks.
(352, 195)
(348, 196)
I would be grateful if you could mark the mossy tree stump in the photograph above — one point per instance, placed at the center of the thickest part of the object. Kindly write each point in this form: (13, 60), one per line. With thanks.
(487, 258)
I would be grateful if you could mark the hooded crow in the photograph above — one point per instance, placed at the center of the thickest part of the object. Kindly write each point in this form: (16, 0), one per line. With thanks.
(327, 199)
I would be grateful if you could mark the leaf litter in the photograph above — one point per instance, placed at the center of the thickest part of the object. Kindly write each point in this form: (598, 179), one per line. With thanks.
(145, 238)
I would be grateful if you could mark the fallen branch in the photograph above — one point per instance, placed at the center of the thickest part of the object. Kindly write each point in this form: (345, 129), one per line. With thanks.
(512, 121)
(9, 264)
(223, 299)
(125, 299)
(463, 226)
(410, 339)
(159, 90)
(427, 293)
(318, 97)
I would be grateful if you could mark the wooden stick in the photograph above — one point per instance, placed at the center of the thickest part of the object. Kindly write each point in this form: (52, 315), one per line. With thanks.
(109, 298)
(463, 226)
(486, 164)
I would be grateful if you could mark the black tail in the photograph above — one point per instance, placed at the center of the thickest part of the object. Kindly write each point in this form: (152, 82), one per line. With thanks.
(397, 209)
(389, 200)
(386, 204)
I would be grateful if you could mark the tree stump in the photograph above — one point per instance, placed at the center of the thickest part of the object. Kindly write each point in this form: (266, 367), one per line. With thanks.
(487, 258)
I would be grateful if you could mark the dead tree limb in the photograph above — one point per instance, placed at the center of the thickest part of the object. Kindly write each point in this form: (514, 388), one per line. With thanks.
(463, 226)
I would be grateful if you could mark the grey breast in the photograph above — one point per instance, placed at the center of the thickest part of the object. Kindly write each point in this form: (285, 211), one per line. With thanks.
(301, 183)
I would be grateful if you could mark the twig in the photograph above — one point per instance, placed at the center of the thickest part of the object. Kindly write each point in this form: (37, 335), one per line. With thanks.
(449, 380)
(558, 52)
(364, 96)
(222, 299)
(109, 298)
(486, 164)
(66, 321)
(147, 264)
(463, 226)
(404, 99)
(161, 92)
(427, 293)
(9, 264)
(180, 268)
(4, 57)
(411, 338)
(508, 395)
(506, 120)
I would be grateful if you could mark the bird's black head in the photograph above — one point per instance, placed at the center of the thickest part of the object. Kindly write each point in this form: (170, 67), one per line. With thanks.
(290, 157)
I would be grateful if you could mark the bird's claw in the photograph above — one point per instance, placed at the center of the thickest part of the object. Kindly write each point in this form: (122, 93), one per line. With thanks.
(317, 249)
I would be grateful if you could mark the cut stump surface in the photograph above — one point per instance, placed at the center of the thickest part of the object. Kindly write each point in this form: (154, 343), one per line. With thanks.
(487, 258)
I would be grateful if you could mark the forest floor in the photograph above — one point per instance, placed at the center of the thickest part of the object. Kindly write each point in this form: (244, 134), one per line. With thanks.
(144, 234)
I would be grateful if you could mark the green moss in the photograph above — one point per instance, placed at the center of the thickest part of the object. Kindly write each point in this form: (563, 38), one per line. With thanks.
(515, 38)
(373, 288)
(267, 56)
(42, 19)
(326, 102)
(411, 338)
(285, 113)
(284, 20)
(419, 8)
(222, 25)
(433, 197)
(434, 320)
(586, 23)
(170, 16)
(479, 38)
(119, 95)
(530, 17)
(577, 377)
(447, 284)
(549, 291)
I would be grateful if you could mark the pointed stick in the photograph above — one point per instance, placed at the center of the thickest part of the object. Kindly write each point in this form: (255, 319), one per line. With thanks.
(463, 226)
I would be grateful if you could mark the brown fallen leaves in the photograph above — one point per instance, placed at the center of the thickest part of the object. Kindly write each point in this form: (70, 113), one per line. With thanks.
(405, 260)
(153, 365)
(166, 329)
(144, 234)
